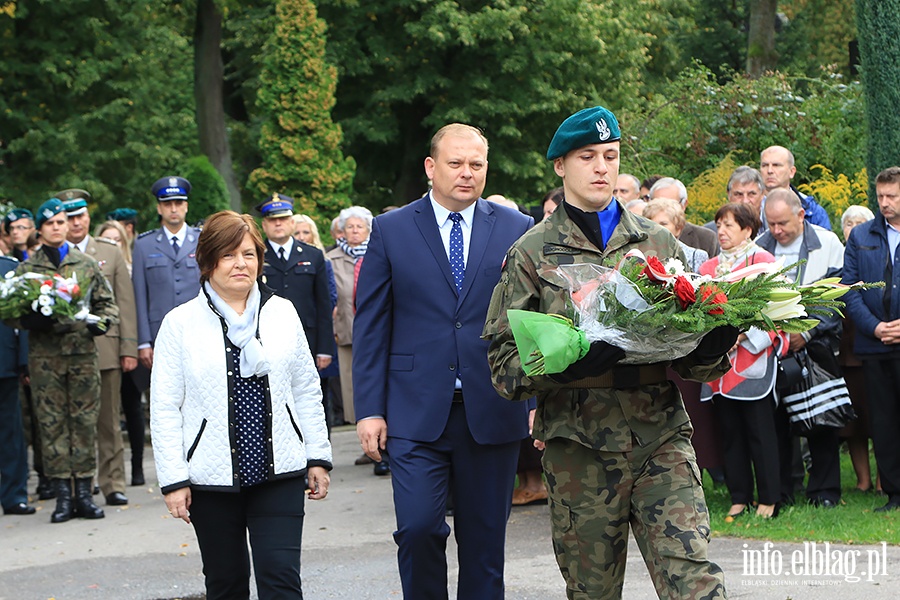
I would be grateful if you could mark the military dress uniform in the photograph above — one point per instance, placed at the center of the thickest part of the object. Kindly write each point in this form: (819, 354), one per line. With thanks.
(65, 379)
(163, 279)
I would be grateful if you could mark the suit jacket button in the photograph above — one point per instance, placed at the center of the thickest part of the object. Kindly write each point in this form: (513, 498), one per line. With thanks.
(458, 325)
(452, 367)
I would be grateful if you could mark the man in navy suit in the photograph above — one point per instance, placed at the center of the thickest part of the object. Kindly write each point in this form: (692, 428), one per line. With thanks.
(421, 368)
(296, 271)
(165, 270)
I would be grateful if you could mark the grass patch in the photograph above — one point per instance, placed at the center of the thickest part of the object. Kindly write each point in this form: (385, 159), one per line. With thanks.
(853, 522)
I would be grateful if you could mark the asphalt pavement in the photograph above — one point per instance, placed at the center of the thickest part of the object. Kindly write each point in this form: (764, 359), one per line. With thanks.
(139, 552)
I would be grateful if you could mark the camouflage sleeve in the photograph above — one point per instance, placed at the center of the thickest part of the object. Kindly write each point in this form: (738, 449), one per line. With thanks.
(103, 303)
(519, 288)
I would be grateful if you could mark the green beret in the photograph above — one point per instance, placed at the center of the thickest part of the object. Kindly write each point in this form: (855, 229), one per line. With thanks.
(122, 214)
(14, 215)
(589, 126)
(48, 210)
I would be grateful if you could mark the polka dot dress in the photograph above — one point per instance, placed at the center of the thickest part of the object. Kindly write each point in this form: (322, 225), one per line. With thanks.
(250, 411)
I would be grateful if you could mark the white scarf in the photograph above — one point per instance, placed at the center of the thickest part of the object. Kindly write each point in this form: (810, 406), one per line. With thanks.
(242, 331)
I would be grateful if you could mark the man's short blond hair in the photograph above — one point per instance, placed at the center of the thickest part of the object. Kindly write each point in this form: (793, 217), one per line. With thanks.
(458, 129)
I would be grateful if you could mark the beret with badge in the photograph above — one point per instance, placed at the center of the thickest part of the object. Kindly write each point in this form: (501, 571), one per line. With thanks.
(48, 210)
(16, 214)
(171, 188)
(595, 125)
(278, 205)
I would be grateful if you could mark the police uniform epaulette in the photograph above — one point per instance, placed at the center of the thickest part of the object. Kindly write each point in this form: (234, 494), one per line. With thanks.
(8, 257)
(146, 233)
(106, 241)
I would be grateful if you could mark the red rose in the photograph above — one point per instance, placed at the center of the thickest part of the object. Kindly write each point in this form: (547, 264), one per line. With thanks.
(655, 271)
(718, 297)
(684, 291)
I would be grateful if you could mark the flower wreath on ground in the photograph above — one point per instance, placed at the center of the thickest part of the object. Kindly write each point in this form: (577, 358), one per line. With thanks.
(55, 296)
(657, 312)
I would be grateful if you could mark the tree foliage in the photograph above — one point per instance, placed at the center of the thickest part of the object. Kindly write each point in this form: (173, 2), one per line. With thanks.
(879, 48)
(299, 142)
(93, 94)
(514, 68)
(696, 122)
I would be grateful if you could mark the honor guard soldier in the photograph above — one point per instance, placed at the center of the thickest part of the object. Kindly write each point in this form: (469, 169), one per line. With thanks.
(165, 270)
(296, 271)
(117, 350)
(19, 224)
(62, 356)
(618, 453)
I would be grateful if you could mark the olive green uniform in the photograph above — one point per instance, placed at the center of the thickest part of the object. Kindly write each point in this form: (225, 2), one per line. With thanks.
(65, 380)
(617, 446)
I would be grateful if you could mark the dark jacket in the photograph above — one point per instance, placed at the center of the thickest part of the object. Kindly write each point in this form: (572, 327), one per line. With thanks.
(867, 259)
(303, 279)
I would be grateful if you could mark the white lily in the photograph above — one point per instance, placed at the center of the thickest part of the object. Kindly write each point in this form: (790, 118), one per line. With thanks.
(784, 309)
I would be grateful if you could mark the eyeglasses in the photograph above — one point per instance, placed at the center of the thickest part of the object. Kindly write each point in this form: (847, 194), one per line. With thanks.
(20, 228)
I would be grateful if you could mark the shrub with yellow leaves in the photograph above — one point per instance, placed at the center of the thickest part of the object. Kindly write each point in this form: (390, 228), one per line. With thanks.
(707, 192)
(837, 192)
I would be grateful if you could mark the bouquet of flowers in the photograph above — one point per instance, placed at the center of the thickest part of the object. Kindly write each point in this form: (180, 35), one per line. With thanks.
(657, 312)
(50, 295)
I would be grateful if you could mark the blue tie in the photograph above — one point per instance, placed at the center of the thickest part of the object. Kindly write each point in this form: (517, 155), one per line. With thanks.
(457, 264)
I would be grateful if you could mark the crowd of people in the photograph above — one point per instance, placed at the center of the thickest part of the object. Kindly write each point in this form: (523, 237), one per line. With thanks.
(248, 349)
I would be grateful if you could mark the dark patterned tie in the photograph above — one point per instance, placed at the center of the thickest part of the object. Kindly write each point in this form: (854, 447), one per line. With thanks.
(175, 246)
(457, 264)
(281, 254)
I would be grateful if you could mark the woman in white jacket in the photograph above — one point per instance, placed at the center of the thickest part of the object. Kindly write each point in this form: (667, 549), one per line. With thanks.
(236, 418)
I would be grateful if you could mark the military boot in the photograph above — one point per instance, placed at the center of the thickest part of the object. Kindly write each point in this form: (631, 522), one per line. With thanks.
(45, 489)
(64, 509)
(84, 504)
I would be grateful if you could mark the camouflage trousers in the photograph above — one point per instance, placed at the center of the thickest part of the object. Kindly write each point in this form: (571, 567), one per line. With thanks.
(596, 495)
(66, 391)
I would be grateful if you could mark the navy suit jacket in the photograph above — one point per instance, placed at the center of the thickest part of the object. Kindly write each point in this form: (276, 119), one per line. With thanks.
(303, 279)
(413, 335)
(161, 279)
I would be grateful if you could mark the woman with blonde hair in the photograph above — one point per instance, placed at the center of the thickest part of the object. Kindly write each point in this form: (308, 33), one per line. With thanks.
(113, 230)
(306, 231)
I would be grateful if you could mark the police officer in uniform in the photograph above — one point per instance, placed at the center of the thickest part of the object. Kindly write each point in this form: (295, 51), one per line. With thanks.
(65, 379)
(165, 271)
(296, 271)
(617, 437)
(117, 349)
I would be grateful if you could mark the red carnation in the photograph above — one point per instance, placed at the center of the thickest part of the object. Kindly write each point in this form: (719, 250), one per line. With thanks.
(718, 297)
(655, 271)
(684, 291)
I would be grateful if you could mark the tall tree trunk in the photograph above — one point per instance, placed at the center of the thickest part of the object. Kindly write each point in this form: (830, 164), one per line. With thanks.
(761, 56)
(879, 51)
(209, 74)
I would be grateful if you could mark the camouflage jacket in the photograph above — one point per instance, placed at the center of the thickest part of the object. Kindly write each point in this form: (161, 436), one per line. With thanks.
(71, 337)
(601, 418)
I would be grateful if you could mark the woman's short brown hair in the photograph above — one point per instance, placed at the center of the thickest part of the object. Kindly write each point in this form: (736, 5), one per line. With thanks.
(222, 233)
(743, 214)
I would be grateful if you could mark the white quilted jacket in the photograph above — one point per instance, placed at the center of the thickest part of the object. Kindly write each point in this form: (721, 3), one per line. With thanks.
(191, 414)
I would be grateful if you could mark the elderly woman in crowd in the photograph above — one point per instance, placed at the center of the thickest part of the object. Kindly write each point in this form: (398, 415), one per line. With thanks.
(743, 398)
(857, 432)
(355, 225)
(670, 214)
(236, 418)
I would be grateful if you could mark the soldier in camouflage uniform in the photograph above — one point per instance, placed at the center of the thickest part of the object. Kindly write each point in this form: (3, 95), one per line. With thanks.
(617, 438)
(65, 379)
